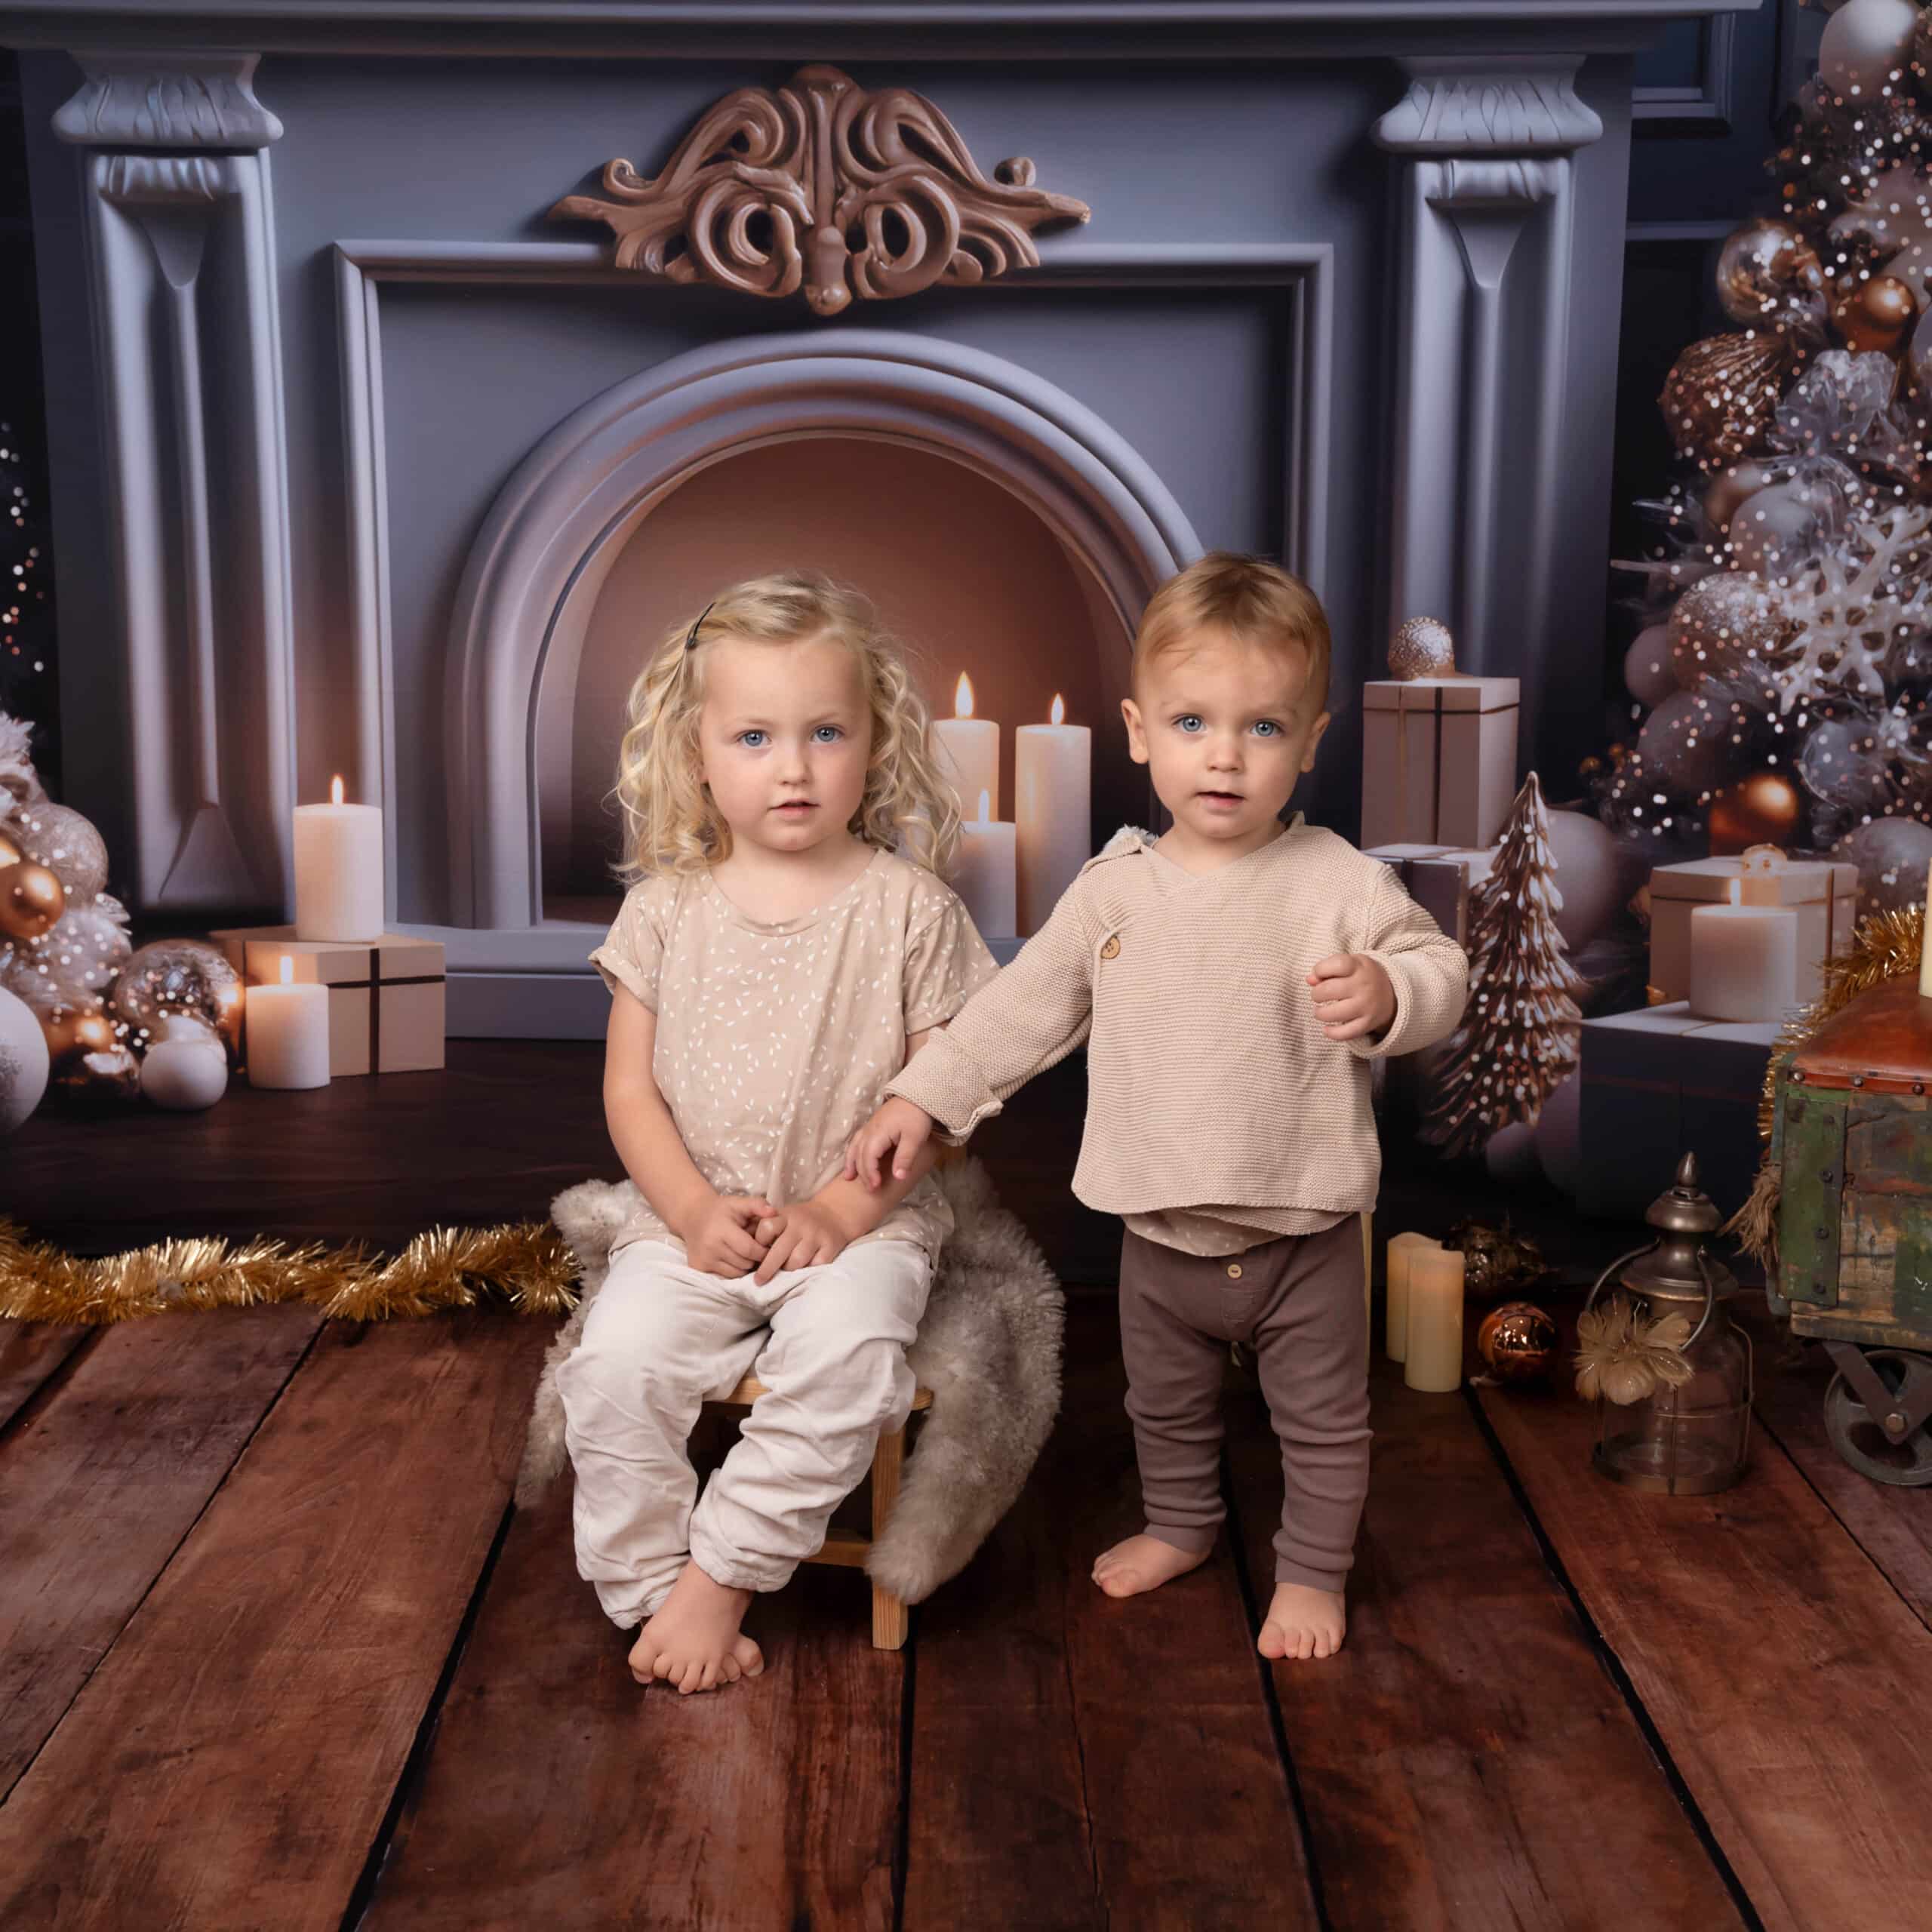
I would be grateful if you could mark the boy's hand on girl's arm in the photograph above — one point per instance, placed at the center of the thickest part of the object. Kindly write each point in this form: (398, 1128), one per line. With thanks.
(721, 1235)
(1353, 995)
(898, 1125)
(803, 1235)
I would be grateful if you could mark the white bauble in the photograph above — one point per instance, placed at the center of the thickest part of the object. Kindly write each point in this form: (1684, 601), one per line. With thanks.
(1510, 1154)
(1559, 1145)
(1647, 668)
(186, 1069)
(22, 1062)
(1865, 42)
(1892, 856)
(1588, 874)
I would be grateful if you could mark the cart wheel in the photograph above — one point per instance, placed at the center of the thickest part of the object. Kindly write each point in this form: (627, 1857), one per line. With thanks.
(1859, 1437)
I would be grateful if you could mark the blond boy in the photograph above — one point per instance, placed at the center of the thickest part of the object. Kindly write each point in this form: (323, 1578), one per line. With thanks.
(1232, 980)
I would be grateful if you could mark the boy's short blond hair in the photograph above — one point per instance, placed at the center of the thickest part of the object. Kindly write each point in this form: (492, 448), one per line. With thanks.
(1248, 597)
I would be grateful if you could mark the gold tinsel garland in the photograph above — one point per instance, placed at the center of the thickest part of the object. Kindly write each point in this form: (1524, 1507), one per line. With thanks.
(1884, 945)
(526, 1264)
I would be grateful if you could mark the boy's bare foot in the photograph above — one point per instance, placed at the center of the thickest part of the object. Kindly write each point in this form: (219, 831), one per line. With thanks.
(1304, 1622)
(694, 1641)
(1143, 1563)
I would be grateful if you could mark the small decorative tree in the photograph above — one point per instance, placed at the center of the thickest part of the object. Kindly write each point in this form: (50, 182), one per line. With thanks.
(1519, 1034)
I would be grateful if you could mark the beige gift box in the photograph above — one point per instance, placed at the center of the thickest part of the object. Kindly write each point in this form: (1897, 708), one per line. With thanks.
(1439, 878)
(385, 998)
(1822, 892)
(1439, 760)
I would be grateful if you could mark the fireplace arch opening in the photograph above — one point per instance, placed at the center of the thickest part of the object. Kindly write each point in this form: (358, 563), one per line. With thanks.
(996, 520)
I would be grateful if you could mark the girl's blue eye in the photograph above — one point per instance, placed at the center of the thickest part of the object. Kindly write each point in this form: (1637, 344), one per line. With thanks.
(828, 733)
(745, 738)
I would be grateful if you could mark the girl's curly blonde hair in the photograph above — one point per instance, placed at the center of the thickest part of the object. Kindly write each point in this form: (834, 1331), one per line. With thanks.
(670, 824)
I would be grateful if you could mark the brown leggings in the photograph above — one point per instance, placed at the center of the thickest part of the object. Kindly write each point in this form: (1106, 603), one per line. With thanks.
(1297, 1301)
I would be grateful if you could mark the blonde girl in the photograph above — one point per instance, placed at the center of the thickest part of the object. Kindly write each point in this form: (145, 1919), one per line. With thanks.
(777, 959)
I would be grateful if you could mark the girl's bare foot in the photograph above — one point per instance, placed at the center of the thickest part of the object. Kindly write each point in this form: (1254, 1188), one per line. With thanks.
(694, 1641)
(1304, 1622)
(1143, 1563)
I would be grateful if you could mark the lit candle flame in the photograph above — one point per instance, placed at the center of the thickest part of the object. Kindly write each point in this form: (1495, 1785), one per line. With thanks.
(962, 697)
(335, 789)
(1059, 712)
(985, 807)
(288, 964)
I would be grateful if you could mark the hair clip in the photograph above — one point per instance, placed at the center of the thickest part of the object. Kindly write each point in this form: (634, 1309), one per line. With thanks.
(690, 642)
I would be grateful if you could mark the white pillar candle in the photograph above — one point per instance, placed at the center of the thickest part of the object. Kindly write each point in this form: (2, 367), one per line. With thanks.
(1743, 960)
(286, 1035)
(1402, 1249)
(1925, 942)
(1434, 1360)
(339, 870)
(968, 749)
(1052, 808)
(983, 875)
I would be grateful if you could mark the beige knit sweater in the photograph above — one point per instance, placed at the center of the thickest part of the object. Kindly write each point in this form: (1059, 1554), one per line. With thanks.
(1210, 1079)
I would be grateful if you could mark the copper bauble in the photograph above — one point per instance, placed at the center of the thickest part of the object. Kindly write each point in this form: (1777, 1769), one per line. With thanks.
(1423, 647)
(1766, 272)
(32, 899)
(1876, 314)
(1518, 1343)
(73, 1030)
(1761, 810)
(1722, 393)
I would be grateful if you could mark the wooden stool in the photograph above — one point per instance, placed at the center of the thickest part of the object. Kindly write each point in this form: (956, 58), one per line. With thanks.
(847, 1548)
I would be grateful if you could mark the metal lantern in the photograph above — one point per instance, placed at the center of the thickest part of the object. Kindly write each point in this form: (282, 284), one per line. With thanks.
(1693, 1438)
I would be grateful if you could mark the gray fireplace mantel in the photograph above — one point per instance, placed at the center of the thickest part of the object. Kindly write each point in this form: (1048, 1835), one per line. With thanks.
(1348, 295)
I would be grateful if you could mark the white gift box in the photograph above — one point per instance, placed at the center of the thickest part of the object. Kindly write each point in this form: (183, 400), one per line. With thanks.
(1822, 892)
(1439, 760)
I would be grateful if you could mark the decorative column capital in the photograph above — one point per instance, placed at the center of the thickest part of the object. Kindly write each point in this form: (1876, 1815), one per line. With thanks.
(184, 100)
(1500, 105)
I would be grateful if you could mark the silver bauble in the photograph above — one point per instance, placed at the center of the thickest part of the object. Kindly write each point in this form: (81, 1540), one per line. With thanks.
(65, 842)
(23, 1062)
(1423, 647)
(1865, 43)
(1725, 626)
(177, 976)
(1892, 856)
(1647, 669)
(1685, 743)
(1842, 762)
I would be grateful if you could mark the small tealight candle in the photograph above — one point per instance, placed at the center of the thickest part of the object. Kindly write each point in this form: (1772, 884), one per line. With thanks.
(1434, 1362)
(969, 750)
(339, 870)
(983, 874)
(1402, 1250)
(1743, 960)
(287, 1032)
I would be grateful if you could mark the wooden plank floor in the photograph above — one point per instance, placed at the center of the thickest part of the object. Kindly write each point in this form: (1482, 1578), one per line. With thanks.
(276, 1651)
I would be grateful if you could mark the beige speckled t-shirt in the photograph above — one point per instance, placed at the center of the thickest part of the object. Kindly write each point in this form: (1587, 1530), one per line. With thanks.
(775, 1040)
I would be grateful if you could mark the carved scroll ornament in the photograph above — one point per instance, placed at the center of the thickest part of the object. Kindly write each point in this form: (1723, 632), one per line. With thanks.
(823, 186)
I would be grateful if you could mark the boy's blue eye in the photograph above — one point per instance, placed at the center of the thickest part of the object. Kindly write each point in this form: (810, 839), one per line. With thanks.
(1186, 722)
(1267, 728)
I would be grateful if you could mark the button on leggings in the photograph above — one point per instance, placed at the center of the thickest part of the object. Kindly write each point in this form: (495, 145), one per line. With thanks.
(1297, 1303)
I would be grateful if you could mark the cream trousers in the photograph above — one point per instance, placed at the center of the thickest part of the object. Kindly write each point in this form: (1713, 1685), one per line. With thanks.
(829, 1344)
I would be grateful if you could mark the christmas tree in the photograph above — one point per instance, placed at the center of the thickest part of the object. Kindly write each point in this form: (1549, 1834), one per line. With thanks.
(1781, 677)
(1517, 1038)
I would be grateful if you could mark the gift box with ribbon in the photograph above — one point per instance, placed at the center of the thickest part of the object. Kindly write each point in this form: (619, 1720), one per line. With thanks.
(1438, 878)
(1822, 892)
(1439, 760)
(385, 997)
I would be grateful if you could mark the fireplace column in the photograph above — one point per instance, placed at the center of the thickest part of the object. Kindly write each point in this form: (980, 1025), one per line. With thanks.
(180, 241)
(1486, 448)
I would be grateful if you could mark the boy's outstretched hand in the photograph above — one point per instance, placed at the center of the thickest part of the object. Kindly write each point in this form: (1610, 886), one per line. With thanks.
(1353, 995)
(899, 1124)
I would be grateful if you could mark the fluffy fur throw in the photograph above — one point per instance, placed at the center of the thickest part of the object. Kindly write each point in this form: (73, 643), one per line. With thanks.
(989, 1349)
